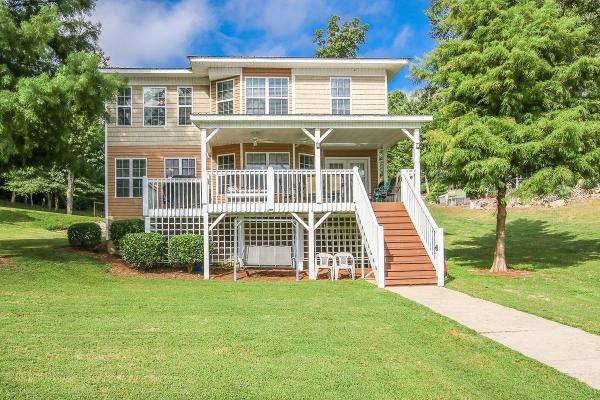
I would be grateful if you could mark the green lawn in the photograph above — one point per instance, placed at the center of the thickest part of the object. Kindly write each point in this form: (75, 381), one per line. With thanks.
(561, 247)
(70, 330)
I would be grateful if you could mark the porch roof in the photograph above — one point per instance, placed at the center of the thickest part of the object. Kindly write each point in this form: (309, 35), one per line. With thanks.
(355, 131)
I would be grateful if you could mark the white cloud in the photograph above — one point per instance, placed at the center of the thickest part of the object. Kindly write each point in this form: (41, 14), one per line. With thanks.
(138, 32)
(276, 18)
(402, 37)
(393, 47)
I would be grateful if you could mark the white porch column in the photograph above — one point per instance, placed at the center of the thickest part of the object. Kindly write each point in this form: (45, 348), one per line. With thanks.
(384, 157)
(206, 235)
(312, 273)
(204, 174)
(319, 181)
(417, 158)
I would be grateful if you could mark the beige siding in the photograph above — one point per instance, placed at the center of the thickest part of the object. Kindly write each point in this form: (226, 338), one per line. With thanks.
(313, 95)
(139, 135)
(122, 208)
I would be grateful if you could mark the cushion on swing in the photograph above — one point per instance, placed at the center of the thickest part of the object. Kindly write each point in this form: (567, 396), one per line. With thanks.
(268, 256)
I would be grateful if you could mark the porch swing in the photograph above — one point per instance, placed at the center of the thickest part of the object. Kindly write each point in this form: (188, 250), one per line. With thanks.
(266, 243)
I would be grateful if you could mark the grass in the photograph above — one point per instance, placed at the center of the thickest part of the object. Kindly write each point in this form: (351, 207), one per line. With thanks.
(70, 330)
(560, 247)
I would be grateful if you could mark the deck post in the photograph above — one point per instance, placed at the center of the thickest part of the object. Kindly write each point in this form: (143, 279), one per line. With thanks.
(312, 275)
(205, 243)
(417, 159)
(319, 181)
(270, 188)
(203, 176)
(384, 157)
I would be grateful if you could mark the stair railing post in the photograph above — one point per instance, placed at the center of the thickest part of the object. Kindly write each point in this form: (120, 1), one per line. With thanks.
(440, 257)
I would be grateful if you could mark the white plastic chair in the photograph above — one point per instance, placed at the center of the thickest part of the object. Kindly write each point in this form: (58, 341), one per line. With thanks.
(325, 261)
(343, 261)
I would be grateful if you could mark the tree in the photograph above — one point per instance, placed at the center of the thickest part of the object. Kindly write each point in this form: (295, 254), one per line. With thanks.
(341, 41)
(49, 81)
(517, 95)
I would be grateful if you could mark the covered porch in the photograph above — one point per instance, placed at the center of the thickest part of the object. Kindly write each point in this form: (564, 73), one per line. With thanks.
(304, 167)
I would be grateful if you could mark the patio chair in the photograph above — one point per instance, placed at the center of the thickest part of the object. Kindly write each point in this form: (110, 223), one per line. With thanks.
(325, 261)
(343, 261)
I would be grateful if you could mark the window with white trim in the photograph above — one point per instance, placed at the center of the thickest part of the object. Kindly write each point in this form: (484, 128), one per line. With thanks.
(267, 95)
(226, 161)
(129, 173)
(340, 96)
(184, 106)
(180, 166)
(155, 106)
(225, 97)
(255, 160)
(124, 107)
(306, 161)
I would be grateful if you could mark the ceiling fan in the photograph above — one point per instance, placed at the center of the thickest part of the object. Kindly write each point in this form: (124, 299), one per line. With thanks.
(256, 139)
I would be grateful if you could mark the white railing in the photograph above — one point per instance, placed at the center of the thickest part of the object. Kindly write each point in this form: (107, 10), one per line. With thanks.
(279, 190)
(430, 233)
(172, 197)
(370, 229)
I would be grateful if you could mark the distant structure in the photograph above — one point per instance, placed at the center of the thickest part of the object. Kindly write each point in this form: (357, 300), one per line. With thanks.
(456, 197)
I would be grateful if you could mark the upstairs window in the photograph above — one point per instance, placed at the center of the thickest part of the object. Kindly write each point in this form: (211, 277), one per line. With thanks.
(184, 105)
(155, 110)
(129, 176)
(340, 96)
(180, 166)
(267, 96)
(124, 107)
(225, 97)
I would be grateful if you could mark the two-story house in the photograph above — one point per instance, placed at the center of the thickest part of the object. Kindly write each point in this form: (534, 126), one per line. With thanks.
(275, 160)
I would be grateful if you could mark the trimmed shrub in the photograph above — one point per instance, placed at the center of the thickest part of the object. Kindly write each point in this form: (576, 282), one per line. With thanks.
(142, 250)
(84, 234)
(118, 229)
(186, 250)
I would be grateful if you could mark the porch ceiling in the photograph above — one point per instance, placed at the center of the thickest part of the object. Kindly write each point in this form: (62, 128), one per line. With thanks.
(349, 131)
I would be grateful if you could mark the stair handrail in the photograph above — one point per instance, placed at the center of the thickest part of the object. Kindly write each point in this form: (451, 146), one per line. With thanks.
(371, 230)
(432, 236)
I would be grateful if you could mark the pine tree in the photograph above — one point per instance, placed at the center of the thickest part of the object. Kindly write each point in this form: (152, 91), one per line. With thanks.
(518, 97)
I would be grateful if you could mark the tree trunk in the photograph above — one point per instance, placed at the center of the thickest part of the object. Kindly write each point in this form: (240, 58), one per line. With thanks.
(31, 199)
(426, 184)
(55, 202)
(70, 189)
(499, 264)
(49, 199)
(13, 196)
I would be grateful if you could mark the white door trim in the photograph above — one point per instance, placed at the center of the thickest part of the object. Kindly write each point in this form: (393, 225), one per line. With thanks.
(347, 160)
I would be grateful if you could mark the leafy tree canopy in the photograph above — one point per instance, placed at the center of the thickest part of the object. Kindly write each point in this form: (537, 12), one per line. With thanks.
(50, 86)
(341, 41)
(517, 95)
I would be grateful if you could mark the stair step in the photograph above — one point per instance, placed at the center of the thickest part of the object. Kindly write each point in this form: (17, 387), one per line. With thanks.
(389, 205)
(397, 225)
(410, 281)
(409, 274)
(403, 246)
(402, 239)
(409, 267)
(405, 252)
(407, 258)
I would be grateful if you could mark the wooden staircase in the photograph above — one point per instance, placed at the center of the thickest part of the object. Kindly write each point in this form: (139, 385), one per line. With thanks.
(406, 260)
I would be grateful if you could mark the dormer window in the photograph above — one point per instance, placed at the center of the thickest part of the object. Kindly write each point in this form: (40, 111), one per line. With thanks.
(225, 97)
(341, 96)
(267, 96)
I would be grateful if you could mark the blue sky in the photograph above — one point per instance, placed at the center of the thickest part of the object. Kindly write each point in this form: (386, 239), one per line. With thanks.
(150, 33)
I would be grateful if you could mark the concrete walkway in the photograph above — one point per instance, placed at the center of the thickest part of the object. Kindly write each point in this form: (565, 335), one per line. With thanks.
(569, 350)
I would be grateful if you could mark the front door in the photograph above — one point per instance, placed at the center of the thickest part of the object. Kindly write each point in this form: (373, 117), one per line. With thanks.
(350, 163)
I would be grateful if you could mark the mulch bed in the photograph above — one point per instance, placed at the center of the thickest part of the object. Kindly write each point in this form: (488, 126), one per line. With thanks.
(120, 268)
(511, 273)
(5, 260)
